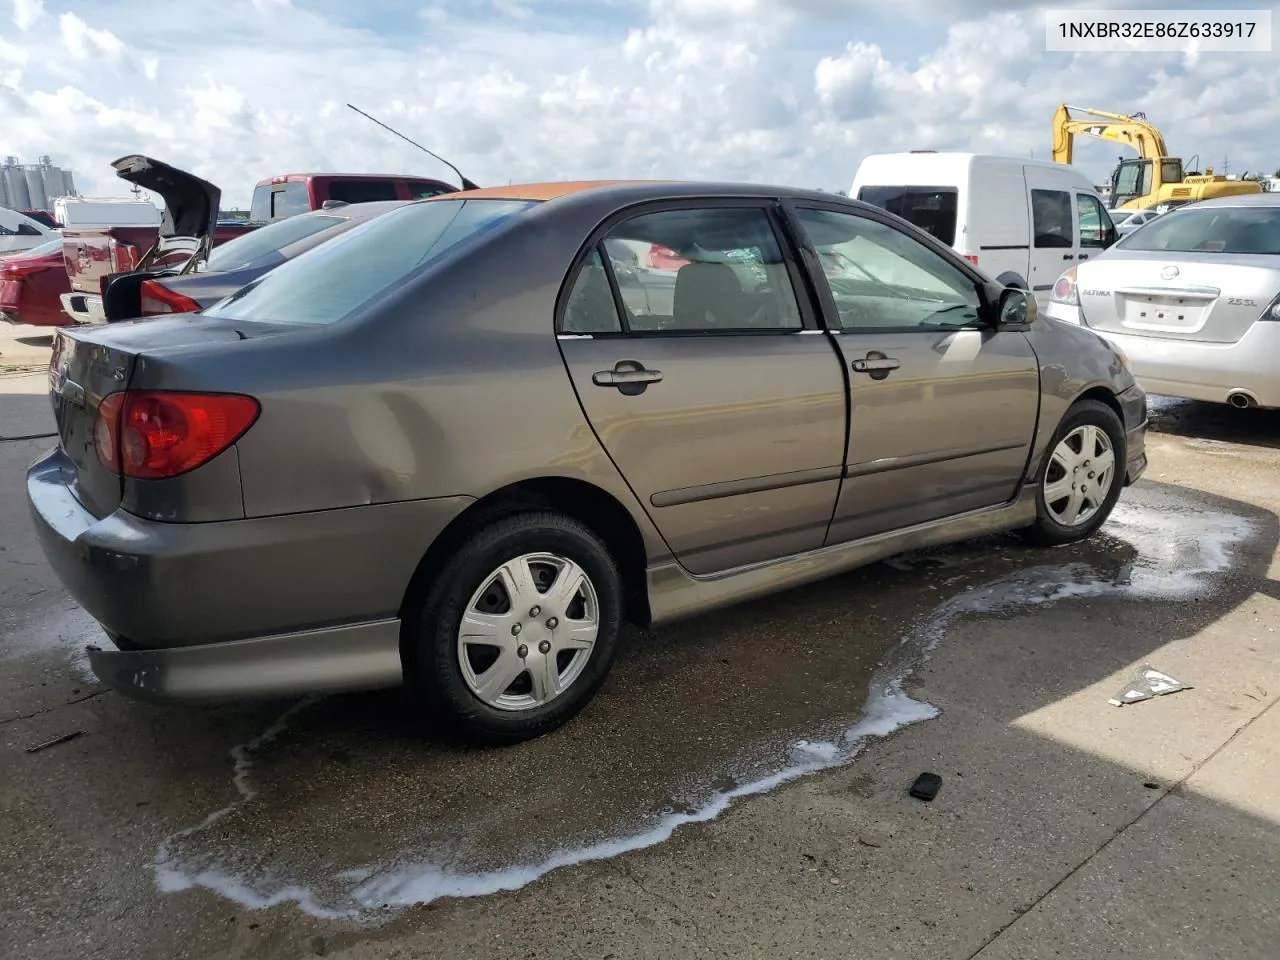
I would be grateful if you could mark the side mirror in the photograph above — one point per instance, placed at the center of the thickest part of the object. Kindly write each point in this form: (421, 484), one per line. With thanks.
(1017, 308)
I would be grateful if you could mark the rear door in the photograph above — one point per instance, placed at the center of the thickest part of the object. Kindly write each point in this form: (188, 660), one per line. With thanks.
(1094, 226)
(716, 396)
(943, 411)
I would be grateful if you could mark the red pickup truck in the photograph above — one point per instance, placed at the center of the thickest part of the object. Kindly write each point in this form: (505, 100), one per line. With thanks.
(287, 195)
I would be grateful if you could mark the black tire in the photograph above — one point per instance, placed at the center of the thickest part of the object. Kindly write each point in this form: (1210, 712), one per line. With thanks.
(1047, 531)
(433, 671)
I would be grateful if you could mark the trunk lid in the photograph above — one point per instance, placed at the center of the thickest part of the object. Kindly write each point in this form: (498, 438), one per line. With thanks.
(91, 363)
(190, 204)
(1210, 299)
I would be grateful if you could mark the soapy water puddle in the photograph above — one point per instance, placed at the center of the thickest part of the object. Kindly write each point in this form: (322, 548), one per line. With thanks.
(355, 832)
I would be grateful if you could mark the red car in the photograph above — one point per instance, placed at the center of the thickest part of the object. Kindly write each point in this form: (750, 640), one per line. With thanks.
(32, 284)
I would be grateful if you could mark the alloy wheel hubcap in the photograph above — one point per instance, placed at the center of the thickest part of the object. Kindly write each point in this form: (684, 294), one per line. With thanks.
(528, 632)
(1079, 477)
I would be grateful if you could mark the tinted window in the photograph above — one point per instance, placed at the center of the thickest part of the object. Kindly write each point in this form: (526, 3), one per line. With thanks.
(361, 191)
(723, 271)
(1210, 230)
(932, 209)
(1093, 221)
(289, 199)
(337, 278)
(27, 230)
(244, 250)
(420, 191)
(882, 279)
(1051, 218)
(590, 307)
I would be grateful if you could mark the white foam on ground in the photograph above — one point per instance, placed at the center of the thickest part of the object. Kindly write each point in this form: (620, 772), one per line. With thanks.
(1170, 564)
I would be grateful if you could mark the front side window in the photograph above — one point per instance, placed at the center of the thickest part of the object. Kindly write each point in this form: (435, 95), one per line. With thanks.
(1093, 221)
(932, 209)
(1210, 230)
(337, 278)
(721, 270)
(1051, 218)
(883, 279)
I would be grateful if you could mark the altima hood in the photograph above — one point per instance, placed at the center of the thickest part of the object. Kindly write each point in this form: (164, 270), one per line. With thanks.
(190, 204)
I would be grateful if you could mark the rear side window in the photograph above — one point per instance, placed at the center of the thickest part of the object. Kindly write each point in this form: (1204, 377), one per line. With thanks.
(932, 209)
(244, 250)
(1051, 218)
(337, 278)
(1210, 230)
(361, 191)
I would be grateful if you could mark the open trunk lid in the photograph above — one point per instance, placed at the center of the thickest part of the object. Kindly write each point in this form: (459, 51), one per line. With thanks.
(1210, 299)
(190, 204)
(89, 364)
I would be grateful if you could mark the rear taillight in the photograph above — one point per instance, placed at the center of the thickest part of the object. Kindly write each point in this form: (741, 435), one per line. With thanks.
(157, 298)
(1064, 291)
(20, 271)
(972, 258)
(124, 256)
(157, 434)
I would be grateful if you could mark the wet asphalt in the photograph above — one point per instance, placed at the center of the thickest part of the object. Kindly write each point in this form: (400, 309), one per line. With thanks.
(308, 828)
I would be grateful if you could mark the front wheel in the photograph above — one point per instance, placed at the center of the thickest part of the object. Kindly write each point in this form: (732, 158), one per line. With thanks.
(519, 631)
(1082, 476)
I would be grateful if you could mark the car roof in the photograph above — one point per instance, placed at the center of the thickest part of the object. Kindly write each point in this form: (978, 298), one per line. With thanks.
(1240, 200)
(632, 191)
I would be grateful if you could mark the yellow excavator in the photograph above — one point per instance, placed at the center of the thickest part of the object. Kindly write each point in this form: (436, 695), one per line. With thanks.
(1155, 179)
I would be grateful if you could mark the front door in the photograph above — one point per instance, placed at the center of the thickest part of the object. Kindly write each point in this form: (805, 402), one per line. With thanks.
(715, 394)
(943, 410)
(1054, 238)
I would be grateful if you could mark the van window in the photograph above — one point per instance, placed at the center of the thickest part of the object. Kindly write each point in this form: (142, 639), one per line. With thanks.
(932, 209)
(1093, 221)
(1051, 218)
(361, 191)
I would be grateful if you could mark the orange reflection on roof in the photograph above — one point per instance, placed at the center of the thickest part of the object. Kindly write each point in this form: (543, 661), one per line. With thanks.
(533, 191)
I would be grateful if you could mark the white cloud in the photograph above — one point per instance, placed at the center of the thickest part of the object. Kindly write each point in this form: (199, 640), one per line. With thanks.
(27, 13)
(790, 91)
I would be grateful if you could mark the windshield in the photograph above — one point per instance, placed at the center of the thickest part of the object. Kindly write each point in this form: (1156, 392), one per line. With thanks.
(1210, 230)
(332, 281)
(244, 250)
(932, 209)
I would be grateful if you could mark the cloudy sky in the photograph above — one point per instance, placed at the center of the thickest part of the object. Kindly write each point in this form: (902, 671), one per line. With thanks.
(783, 91)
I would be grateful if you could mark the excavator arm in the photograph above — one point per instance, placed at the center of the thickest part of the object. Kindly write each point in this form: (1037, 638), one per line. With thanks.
(1116, 127)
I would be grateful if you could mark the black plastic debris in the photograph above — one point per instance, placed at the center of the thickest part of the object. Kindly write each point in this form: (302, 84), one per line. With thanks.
(56, 741)
(926, 786)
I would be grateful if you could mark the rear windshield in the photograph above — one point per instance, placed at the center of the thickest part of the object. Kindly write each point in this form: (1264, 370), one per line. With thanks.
(334, 280)
(256, 244)
(1210, 230)
(932, 209)
(277, 201)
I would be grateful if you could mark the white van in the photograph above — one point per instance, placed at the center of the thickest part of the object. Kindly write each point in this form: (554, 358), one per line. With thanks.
(1021, 222)
(19, 232)
(97, 212)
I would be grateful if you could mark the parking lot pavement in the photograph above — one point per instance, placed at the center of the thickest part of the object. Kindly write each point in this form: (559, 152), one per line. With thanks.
(712, 802)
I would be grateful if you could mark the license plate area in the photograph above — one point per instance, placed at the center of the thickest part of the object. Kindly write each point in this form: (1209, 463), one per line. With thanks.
(1168, 314)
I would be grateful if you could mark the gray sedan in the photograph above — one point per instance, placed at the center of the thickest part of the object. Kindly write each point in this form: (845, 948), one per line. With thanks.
(1193, 298)
(454, 448)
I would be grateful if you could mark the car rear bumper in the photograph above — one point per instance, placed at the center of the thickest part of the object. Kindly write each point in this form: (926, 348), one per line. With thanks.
(83, 307)
(1200, 370)
(362, 656)
(238, 608)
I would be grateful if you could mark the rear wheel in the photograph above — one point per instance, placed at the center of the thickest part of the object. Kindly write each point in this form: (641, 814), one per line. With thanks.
(519, 631)
(1082, 476)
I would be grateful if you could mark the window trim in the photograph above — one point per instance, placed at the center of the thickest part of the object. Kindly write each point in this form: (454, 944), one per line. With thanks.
(810, 315)
(822, 287)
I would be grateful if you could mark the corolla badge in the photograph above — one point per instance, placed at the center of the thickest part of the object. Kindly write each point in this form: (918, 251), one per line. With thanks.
(1169, 272)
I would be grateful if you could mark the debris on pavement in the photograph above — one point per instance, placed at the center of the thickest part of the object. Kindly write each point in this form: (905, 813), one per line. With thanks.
(1150, 683)
(56, 741)
(926, 786)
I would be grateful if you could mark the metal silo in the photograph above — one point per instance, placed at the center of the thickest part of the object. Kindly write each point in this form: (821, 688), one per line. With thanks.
(16, 181)
(35, 189)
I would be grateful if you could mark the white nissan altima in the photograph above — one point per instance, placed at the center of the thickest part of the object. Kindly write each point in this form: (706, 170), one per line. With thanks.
(1193, 299)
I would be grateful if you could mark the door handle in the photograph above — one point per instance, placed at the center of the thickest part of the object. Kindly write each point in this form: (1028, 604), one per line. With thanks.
(1068, 256)
(875, 364)
(1084, 256)
(628, 376)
